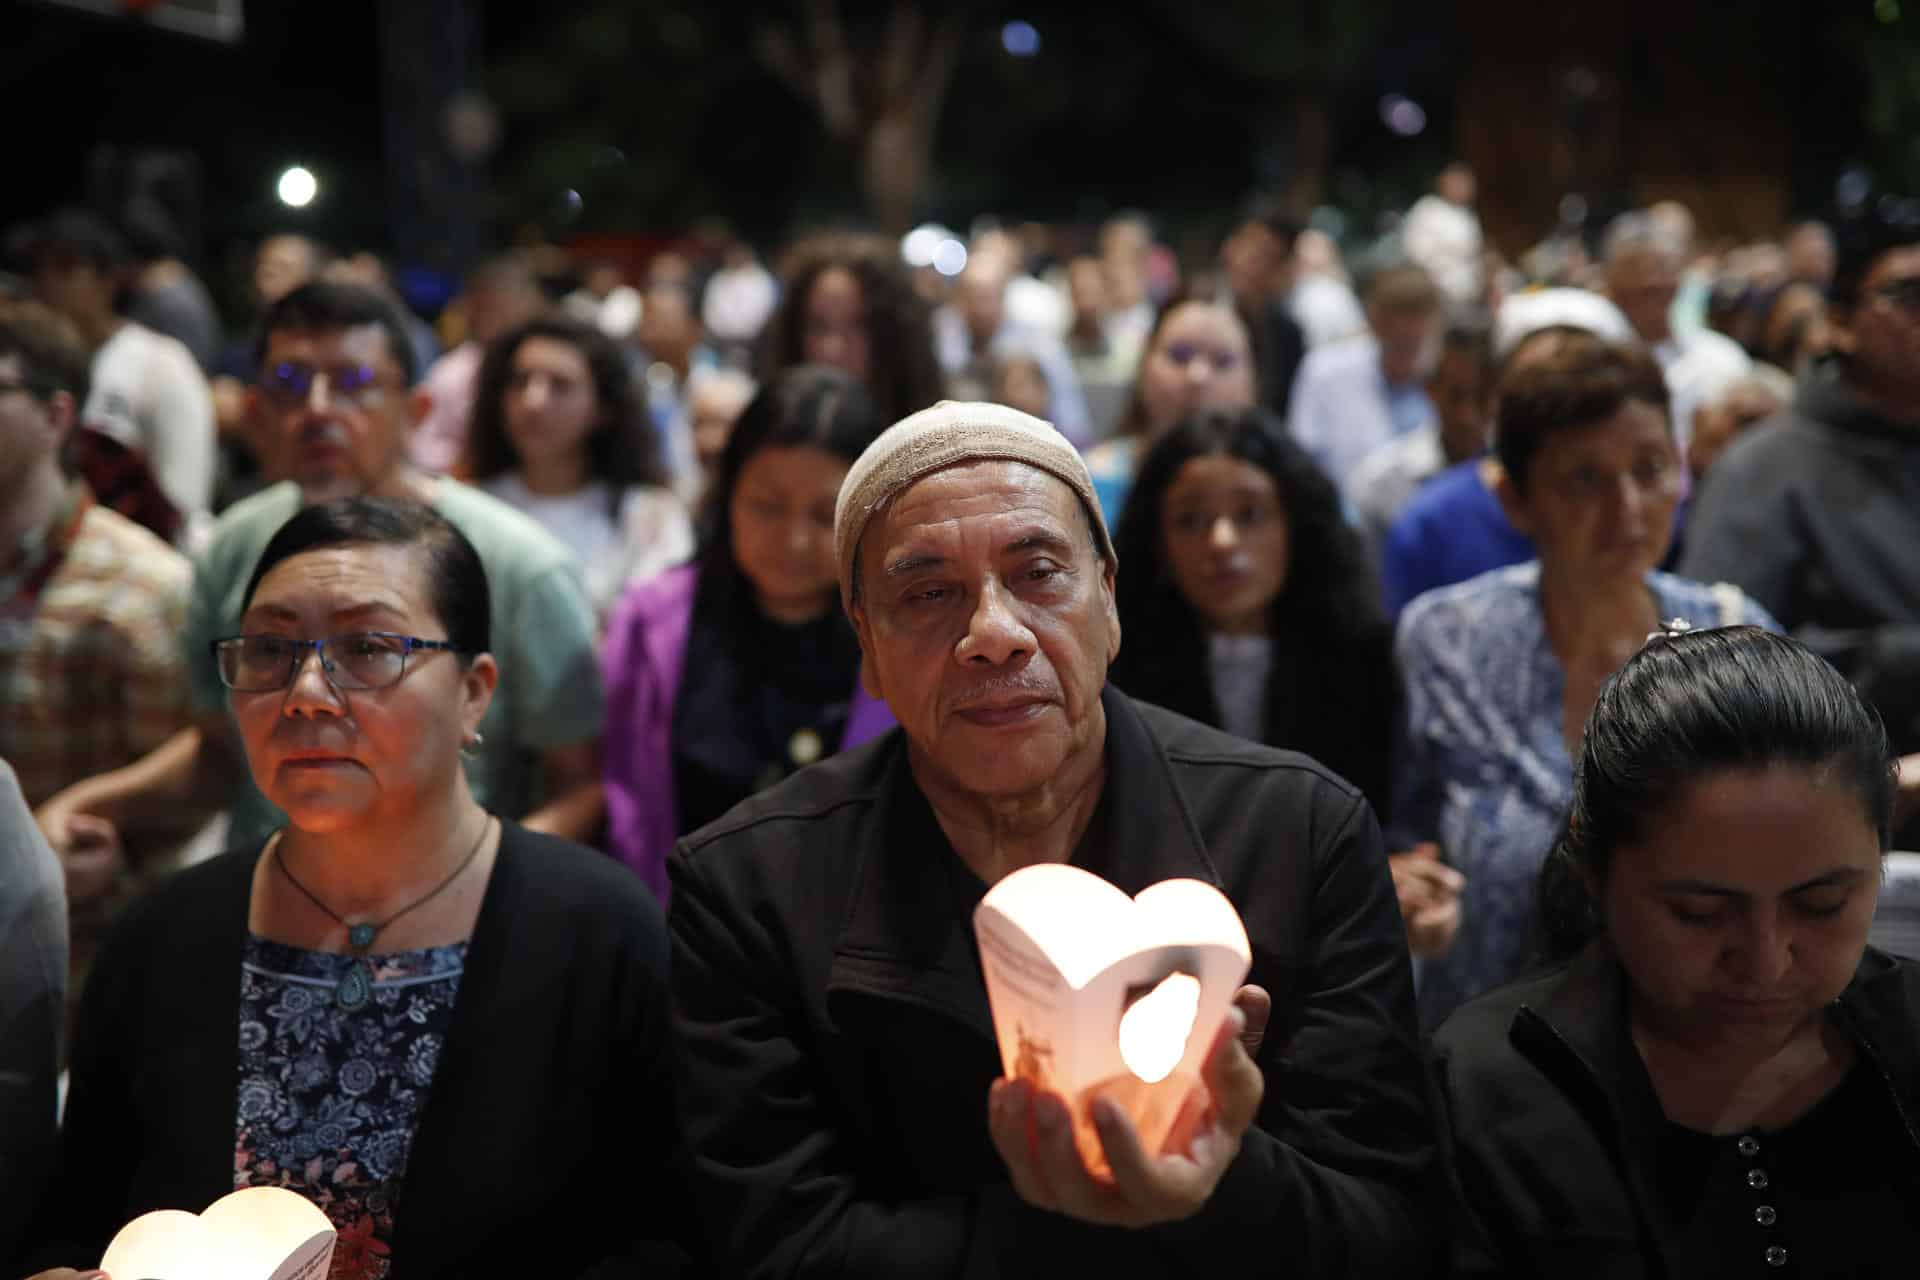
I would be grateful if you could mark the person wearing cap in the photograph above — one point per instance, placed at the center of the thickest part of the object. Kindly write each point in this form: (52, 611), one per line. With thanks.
(842, 1100)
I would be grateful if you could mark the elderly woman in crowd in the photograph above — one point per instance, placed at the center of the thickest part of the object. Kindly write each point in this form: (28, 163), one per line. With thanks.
(559, 432)
(1247, 603)
(370, 1008)
(849, 303)
(727, 674)
(1500, 671)
(1723, 1078)
(1198, 356)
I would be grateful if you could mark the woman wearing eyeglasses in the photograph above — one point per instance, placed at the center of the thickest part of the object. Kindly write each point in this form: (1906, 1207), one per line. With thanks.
(445, 1030)
(1197, 357)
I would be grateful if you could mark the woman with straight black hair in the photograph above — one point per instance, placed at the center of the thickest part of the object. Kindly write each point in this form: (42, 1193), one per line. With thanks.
(371, 1006)
(1723, 1077)
(1246, 601)
(726, 674)
(560, 432)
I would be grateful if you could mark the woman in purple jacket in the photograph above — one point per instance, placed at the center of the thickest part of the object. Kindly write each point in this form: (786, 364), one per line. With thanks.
(726, 674)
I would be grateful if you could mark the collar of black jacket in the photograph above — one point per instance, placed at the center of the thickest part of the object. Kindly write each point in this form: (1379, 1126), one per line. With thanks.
(1578, 1031)
(908, 931)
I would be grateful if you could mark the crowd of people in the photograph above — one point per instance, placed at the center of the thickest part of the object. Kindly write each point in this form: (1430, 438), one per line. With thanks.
(614, 696)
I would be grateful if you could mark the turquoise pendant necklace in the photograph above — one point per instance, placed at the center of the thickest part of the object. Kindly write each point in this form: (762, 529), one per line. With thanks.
(355, 988)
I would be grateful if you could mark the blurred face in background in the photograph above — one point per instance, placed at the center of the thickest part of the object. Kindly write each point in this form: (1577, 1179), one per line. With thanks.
(781, 513)
(982, 299)
(1087, 287)
(1409, 338)
(713, 406)
(1022, 385)
(332, 410)
(1641, 280)
(1254, 261)
(834, 325)
(1224, 532)
(551, 404)
(1598, 499)
(1461, 389)
(282, 264)
(1880, 333)
(668, 328)
(1199, 359)
(1716, 424)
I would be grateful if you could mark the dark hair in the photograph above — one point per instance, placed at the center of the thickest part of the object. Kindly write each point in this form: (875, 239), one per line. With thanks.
(326, 304)
(1468, 332)
(1583, 381)
(622, 449)
(1884, 225)
(84, 236)
(1273, 215)
(906, 375)
(806, 407)
(456, 580)
(52, 355)
(1686, 707)
(1328, 613)
(1133, 422)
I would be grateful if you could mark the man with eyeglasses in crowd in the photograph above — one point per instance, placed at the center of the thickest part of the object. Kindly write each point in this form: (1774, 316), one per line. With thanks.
(91, 607)
(1816, 513)
(334, 404)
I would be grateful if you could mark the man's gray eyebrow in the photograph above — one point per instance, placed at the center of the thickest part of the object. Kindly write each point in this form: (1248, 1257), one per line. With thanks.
(913, 564)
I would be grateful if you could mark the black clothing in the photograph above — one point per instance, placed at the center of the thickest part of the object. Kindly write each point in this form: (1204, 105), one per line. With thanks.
(545, 1146)
(837, 1050)
(1565, 1165)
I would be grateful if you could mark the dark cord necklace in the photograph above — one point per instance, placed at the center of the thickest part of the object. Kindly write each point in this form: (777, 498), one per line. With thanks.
(355, 988)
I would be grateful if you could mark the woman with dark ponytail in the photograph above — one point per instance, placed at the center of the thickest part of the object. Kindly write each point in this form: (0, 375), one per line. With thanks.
(1721, 1076)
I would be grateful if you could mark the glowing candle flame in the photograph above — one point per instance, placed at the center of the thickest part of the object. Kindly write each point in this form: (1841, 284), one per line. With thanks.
(1153, 1033)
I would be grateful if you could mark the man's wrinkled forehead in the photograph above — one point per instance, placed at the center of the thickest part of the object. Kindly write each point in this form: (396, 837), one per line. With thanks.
(961, 494)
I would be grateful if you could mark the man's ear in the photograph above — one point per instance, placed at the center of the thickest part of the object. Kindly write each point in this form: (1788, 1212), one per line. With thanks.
(63, 411)
(419, 405)
(480, 680)
(863, 631)
(1110, 583)
(1511, 502)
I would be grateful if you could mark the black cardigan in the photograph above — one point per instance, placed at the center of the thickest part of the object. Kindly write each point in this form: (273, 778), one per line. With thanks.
(1552, 1122)
(545, 1146)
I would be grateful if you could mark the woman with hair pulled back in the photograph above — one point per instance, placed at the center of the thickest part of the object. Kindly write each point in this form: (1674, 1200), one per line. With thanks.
(1720, 1076)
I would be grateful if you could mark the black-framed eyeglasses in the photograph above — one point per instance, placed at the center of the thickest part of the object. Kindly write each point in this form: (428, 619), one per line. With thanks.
(1904, 292)
(292, 383)
(355, 660)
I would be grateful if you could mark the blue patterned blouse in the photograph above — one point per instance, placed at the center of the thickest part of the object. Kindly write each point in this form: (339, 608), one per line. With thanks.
(329, 1099)
(1484, 769)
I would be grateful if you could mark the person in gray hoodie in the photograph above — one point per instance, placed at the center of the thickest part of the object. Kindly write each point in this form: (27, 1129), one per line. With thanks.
(33, 1008)
(1816, 513)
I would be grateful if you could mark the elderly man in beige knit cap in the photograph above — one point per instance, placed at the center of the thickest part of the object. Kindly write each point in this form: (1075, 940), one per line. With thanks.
(840, 1085)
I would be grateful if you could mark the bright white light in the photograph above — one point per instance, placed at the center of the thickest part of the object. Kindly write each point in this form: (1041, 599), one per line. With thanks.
(920, 244)
(297, 187)
(1154, 1032)
(1402, 114)
(1020, 39)
(950, 259)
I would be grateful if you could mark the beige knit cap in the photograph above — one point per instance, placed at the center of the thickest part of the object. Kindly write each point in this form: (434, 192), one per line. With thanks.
(950, 433)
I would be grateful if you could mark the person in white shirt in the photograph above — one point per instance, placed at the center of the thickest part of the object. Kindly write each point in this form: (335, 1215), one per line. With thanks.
(975, 332)
(559, 432)
(1643, 274)
(1442, 234)
(1353, 396)
(1322, 301)
(148, 395)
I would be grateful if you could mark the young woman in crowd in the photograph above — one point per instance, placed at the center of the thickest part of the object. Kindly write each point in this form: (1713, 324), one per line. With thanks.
(727, 674)
(560, 432)
(1197, 356)
(1246, 601)
(1723, 1078)
(848, 303)
(1500, 671)
(367, 1008)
